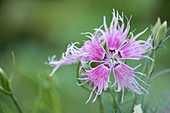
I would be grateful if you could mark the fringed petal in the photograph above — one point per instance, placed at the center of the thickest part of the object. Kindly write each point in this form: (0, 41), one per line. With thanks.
(98, 79)
(71, 55)
(125, 77)
(135, 49)
(116, 36)
(93, 51)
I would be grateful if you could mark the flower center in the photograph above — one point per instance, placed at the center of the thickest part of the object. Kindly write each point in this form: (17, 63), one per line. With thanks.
(114, 55)
(112, 58)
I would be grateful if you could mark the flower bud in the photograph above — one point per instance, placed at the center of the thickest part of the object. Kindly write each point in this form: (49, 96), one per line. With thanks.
(159, 31)
(4, 82)
(156, 27)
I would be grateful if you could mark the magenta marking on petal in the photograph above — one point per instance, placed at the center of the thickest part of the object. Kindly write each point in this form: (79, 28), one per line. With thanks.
(119, 54)
(105, 56)
(116, 64)
(112, 51)
(107, 65)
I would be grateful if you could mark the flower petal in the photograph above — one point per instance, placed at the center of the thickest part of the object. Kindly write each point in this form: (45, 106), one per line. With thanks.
(116, 36)
(98, 78)
(71, 55)
(135, 49)
(93, 50)
(125, 77)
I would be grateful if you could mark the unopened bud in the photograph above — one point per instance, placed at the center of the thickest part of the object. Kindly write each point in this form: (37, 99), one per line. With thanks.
(159, 31)
(156, 27)
(4, 82)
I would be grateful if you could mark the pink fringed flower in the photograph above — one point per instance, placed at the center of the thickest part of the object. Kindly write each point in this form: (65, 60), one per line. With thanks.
(110, 48)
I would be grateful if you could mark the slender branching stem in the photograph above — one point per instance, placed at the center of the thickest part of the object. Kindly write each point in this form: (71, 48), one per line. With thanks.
(116, 104)
(16, 103)
(150, 71)
(5, 92)
(13, 99)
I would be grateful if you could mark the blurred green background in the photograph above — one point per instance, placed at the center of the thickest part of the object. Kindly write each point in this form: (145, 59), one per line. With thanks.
(36, 29)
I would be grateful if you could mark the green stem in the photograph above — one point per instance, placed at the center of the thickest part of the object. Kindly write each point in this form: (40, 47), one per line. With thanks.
(5, 92)
(16, 103)
(150, 71)
(13, 99)
(100, 104)
(116, 105)
(145, 69)
(146, 65)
